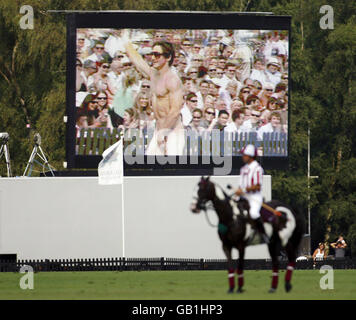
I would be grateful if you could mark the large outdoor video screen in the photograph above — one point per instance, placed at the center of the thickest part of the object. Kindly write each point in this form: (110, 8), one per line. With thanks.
(188, 90)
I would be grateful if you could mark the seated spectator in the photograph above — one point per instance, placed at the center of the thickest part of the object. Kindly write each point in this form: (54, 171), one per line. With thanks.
(144, 110)
(193, 73)
(202, 93)
(223, 118)
(99, 52)
(101, 80)
(104, 119)
(271, 106)
(339, 247)
(130, 119)
(236, 104)
(272, 73)
(253, 103)
(85, 77)
(81, 121)
(230, 93)
(191, 103)
(252, 120)
(189, 85)
(196, 123)
(258, 72)
(274, 125)
(235, 126)
(319, 253)
(266, 93)
(244, 93)
(257, 88)
(91, 107)
(214, 89)
(220, 104)
(208, 117)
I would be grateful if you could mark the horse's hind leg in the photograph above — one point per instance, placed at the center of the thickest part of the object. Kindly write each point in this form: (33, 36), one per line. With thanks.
(292, 255)
(273, 247)
(231, 273)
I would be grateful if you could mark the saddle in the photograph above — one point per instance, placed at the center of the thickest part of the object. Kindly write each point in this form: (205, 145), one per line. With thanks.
(277, 222)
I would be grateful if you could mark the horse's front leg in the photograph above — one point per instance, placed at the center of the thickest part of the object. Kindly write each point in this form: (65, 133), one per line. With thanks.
(230, 268)
(240, 269)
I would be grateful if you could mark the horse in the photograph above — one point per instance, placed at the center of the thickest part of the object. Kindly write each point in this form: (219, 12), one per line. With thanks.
(235, 230)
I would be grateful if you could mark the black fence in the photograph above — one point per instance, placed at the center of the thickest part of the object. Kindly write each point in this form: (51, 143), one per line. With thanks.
(146, 264)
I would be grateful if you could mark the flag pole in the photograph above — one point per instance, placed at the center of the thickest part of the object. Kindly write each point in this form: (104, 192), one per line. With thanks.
(122, 200)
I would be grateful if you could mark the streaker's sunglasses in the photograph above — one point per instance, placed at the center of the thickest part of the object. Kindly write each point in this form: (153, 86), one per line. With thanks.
(157, 54)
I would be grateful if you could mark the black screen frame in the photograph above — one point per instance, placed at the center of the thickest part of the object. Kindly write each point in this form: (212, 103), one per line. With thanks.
(164, 20)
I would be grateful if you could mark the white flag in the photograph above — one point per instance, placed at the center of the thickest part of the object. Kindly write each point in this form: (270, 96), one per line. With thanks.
(111, 168)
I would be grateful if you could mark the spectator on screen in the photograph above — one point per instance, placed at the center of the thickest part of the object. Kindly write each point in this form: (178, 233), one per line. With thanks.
(266, 93)
(191, 103)
(115, 74)
(252, 120)
(196, 123)
(244, 93)
(274, 125)
(236, 125)
(222, 121)
(258, 72)
(99, 52)
(202, 93)
(272, 73)
(85, 77)
(130, 119)
(81, 119)
(230, 93)
(101, 80)
(208, 117)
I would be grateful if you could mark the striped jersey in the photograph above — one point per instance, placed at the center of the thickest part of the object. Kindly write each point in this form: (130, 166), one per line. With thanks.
(251, 174)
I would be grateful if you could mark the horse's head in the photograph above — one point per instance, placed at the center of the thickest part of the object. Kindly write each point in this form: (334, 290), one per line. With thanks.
(204, 194)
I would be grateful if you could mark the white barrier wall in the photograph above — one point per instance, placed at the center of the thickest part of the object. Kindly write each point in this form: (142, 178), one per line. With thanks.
(58, 218)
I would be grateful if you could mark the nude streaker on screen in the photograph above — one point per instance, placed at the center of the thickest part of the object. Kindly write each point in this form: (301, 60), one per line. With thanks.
(167, 97)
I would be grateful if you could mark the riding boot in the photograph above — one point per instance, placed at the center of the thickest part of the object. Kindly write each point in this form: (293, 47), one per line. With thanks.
(261, 230)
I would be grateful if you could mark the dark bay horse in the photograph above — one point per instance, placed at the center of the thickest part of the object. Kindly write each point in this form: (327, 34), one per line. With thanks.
(235, 231)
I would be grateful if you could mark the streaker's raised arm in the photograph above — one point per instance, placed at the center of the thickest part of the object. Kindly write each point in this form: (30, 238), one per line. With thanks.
(134, 56)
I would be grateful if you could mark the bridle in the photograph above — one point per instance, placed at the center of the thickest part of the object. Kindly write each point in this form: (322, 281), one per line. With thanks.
(206, 205)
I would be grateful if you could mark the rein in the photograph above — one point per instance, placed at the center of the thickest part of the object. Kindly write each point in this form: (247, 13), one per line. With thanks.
(211, 207)
(207, 217)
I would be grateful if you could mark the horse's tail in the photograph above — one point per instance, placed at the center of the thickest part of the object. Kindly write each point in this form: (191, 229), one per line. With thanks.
(300, 222)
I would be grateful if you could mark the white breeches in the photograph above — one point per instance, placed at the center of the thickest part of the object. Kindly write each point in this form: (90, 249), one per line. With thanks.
(255, 201)
(173, 145)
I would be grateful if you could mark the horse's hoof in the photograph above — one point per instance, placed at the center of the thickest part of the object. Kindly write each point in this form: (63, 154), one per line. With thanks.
(288, 287)
(272, 290)
(231, 290)
(240, 290)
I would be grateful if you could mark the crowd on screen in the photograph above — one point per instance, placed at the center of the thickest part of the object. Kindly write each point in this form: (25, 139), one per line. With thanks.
(234, 80)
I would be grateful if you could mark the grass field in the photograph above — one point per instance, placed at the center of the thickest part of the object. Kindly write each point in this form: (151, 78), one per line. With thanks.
(186, 285)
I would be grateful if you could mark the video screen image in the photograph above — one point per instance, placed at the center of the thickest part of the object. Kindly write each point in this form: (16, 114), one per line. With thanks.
(175, 90)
